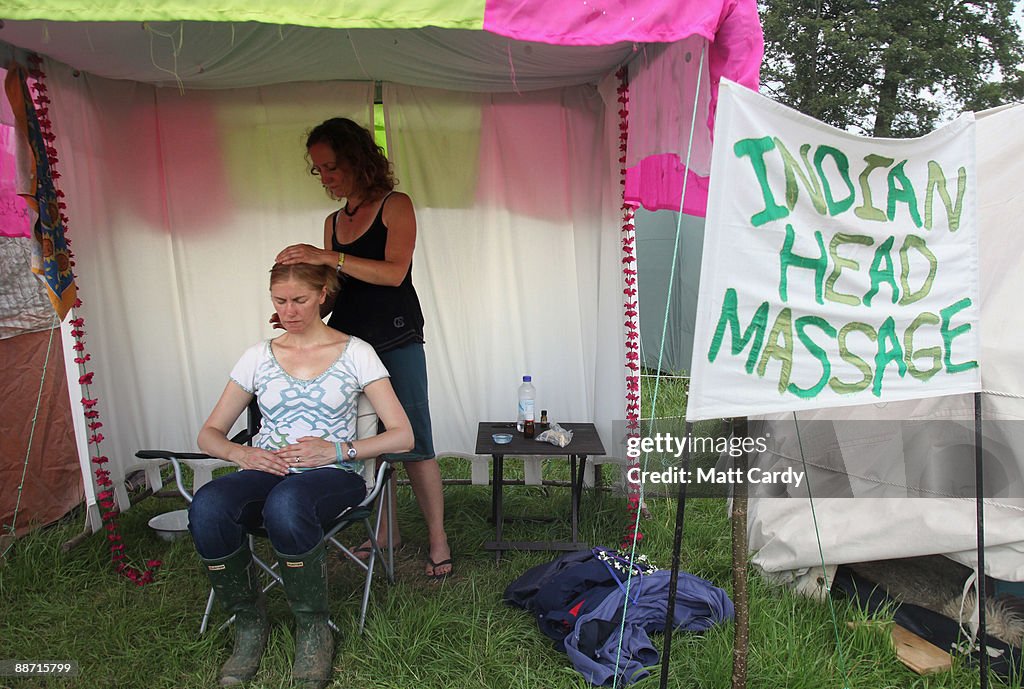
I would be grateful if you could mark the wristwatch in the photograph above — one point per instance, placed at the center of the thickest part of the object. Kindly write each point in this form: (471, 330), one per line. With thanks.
(351, 451)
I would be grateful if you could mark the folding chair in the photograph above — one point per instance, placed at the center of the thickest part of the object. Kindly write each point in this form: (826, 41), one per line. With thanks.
(376, 492)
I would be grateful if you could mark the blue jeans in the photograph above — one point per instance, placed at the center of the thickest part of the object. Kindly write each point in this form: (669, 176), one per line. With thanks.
(295, 509)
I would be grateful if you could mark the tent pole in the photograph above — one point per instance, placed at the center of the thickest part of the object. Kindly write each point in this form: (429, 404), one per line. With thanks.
(677, 544)
(739, 564)
(979, 498)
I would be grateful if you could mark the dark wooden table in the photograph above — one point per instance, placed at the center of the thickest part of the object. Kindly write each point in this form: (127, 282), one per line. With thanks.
(585, 442)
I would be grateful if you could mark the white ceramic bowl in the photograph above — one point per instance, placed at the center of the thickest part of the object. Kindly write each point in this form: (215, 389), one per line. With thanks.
(170, 526)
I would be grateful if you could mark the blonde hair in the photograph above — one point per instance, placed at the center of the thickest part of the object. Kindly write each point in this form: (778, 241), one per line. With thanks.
(315, 276)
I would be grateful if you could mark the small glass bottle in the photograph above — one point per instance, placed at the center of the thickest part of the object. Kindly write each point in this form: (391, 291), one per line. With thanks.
(543, 419)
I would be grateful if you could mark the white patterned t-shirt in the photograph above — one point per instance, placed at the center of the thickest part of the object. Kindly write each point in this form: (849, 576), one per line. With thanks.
(322, 407)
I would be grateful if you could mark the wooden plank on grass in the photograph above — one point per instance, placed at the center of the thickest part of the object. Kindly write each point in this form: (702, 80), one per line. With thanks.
(921, 656)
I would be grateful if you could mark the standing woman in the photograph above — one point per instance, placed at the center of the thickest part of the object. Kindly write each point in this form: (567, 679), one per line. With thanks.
(370, 241)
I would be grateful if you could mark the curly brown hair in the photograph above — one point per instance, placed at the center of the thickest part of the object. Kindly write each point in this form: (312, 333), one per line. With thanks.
(354, 145)
(315, 276)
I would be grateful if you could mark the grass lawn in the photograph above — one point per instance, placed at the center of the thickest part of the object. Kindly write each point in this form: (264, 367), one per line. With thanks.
(59, 606)
(71, 606)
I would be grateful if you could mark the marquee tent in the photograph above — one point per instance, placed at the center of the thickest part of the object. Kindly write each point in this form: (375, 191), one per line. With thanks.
(179, 131)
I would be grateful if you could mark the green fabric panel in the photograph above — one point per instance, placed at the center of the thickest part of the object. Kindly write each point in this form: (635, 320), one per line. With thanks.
(380, 135)
(369, 14)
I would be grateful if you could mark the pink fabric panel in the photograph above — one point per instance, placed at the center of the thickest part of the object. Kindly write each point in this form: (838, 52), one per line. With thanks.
(14, 214)
(736, 50)
(657, 183)
(660, 123)
(603, 22)
(735, 53)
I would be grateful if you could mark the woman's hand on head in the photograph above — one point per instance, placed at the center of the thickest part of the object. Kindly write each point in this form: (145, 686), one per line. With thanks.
(306, 253)
(308, 452)
(258, 459)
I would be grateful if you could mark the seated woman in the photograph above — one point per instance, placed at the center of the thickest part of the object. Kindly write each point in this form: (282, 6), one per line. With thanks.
(301, 470)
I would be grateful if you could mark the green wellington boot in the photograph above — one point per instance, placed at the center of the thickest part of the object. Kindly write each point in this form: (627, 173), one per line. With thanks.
(305, 585)
(234, 580)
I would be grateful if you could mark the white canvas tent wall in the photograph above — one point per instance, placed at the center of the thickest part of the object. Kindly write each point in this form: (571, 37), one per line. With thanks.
(179, 197)
(782, 531)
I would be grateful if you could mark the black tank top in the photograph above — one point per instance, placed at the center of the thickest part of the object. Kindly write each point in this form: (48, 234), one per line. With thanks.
(386, 317)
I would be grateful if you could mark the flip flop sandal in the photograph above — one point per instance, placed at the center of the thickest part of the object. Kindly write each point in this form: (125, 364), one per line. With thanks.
(363, 552)
(435, 565)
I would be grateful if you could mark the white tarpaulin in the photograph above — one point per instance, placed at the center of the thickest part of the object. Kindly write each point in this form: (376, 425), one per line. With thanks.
(786, 537)
(838, 270)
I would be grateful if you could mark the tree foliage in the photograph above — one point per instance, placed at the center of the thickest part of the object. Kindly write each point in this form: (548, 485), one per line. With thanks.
(891, 67)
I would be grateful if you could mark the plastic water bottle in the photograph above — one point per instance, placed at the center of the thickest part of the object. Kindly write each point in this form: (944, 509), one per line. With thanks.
(527, 399)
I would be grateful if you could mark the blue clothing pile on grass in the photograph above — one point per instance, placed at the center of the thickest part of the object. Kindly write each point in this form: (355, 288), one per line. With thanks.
(578, 600)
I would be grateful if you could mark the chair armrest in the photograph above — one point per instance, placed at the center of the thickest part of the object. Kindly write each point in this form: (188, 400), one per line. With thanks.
(170, 455)
(204, 465)
(203, 469)
(381, 478)
(173, 458)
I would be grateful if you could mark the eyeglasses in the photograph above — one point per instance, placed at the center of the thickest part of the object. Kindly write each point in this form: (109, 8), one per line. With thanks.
(318, 170)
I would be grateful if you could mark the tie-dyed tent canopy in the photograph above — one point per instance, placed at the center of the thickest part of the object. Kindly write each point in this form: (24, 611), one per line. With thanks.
(493, 45)
(179, 126)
